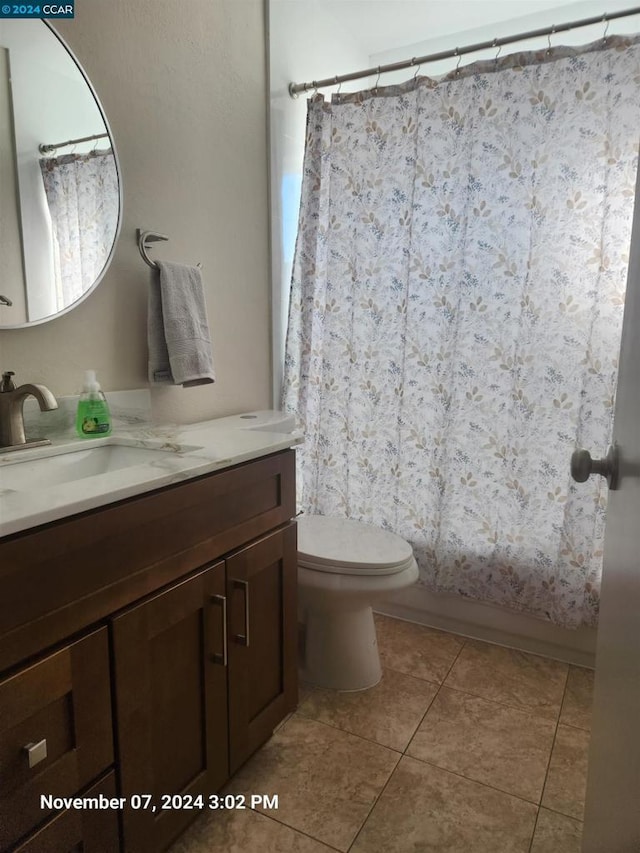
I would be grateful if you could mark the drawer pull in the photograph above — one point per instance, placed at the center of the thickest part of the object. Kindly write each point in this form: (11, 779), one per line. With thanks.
(36, 752)
(243, 639)
(216, 656)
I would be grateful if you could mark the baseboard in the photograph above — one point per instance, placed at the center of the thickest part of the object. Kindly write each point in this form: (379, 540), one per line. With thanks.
(498, 625)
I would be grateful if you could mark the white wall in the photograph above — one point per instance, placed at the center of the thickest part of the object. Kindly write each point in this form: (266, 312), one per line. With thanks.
(303, 39)
(184, 90)
(521, 16)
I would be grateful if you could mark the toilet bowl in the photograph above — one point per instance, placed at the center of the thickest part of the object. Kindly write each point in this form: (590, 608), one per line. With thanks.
(345, 567)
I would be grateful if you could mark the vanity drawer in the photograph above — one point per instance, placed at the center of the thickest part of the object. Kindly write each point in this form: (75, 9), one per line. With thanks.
(71, 831)
(59, 708)
(59, 579)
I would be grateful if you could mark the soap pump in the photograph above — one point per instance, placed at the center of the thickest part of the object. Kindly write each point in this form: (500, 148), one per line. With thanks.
(93, 418)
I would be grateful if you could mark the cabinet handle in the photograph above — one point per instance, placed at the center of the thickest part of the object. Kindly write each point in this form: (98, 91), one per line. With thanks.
(36, 752)
(243, 639)
(216, 657)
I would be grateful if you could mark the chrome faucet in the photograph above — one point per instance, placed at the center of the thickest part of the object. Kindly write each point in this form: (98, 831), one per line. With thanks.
(12, 399)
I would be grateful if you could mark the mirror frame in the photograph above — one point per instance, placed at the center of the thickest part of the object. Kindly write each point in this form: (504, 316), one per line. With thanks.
(29, 323)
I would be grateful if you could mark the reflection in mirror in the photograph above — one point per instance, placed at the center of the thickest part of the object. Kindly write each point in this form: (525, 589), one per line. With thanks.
(60, 193)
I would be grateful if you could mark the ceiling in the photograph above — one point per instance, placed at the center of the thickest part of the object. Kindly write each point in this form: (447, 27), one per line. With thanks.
(382, 25)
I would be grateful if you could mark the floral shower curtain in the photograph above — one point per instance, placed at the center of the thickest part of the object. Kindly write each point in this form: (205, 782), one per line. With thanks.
(455, 316)
(83, 200)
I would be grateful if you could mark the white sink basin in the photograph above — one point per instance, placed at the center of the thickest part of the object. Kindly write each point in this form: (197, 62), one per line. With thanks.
(77, 463)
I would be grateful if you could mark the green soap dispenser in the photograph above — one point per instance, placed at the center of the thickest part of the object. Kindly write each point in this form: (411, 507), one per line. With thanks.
(93, 419)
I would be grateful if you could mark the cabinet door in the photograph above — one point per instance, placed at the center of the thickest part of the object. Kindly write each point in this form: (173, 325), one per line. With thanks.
(263, 680)
(171, 704)
(55, 732)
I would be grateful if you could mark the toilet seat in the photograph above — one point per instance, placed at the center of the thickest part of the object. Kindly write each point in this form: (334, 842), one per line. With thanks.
(347, 547)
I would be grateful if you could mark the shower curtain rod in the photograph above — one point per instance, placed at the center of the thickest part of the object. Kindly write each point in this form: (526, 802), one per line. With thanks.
(47, 149)
(295, 88)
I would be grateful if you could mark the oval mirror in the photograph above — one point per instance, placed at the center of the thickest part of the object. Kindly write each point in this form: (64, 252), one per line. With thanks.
(60, 197)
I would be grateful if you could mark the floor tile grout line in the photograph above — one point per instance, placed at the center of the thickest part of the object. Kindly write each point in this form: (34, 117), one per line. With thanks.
(375, 802)
(467, 638)
(366, 740)
(524, 709)
(564, 696)
(312, 689)
(464, 641)
(475, 781)
(573, 726)
(455, 660)
(469, 778)
(352, 734)
(563, 814)
(398, 754)
(403, 751)
(404, 754)
(555, 719)
(538, 806)
(369, 740)
(553, 744)
(295, 829)
(415, 731)
(409, 674)
(439, 686)
(422, 719)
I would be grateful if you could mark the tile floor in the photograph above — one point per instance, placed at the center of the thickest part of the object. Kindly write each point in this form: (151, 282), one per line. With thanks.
(463, 747)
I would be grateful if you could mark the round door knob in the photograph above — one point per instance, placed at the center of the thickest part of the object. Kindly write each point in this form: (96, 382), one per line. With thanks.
(583, 466)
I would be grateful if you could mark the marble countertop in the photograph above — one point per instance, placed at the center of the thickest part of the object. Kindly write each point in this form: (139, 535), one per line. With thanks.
(190, 451)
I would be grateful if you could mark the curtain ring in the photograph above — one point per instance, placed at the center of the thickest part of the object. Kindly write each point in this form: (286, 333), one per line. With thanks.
(338, 83)
(553, 29)
(606, 22)
(413, 62)
(499, 46)
(375, 88)
(457, 70)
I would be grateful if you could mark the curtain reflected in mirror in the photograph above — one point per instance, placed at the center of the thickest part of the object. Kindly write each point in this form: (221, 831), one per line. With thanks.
(83, 201)
(60, 199)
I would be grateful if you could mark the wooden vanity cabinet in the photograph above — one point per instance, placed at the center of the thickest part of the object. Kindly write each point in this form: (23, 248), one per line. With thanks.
(153, 642)
(171, 703)
(55, 732)
(79, 830)
(263, 680)
(204, 671)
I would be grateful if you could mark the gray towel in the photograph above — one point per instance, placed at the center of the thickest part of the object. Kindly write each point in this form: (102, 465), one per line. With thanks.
(178, 329)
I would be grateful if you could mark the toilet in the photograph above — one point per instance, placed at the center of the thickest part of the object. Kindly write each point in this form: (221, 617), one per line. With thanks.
(345, 567)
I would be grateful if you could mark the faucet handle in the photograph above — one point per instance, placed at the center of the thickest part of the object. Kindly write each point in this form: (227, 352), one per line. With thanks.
(7, 382)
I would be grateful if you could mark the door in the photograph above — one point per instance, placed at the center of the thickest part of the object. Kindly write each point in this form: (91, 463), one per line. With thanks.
(263, 685)
(171, 707)
(612, 816)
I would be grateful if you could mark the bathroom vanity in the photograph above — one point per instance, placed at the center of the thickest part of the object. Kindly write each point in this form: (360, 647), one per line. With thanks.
(147, 649)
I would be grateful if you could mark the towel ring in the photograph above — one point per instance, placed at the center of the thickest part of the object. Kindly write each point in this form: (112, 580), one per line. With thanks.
(145, 237)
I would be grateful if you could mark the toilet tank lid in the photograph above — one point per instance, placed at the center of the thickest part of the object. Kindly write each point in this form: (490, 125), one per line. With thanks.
(345, 542)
